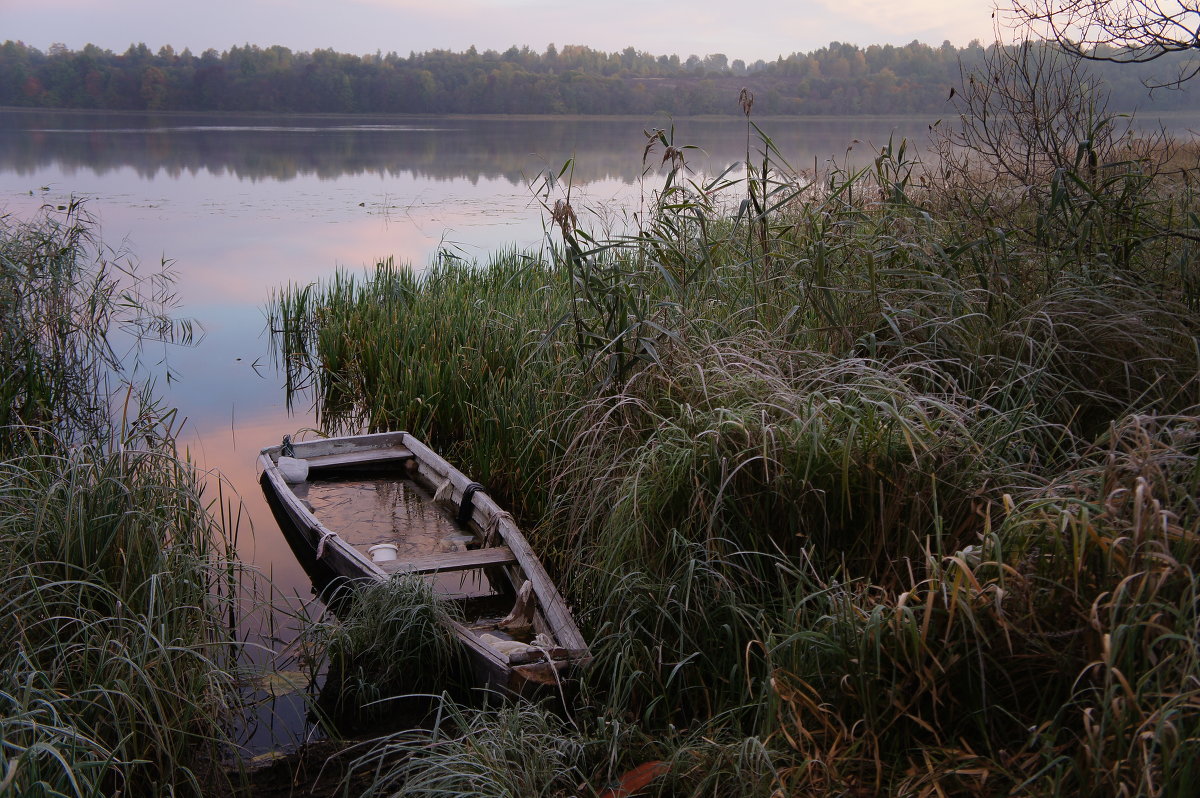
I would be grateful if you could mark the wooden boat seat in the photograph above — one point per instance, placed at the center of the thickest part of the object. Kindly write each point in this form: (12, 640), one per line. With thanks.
(450, 561)
(354, 458)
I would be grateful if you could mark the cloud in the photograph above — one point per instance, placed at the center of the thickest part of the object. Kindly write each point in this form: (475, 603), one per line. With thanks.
(929, 21)
(770, 28)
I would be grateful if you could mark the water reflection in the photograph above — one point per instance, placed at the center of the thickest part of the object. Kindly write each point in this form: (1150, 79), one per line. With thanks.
(513, 150)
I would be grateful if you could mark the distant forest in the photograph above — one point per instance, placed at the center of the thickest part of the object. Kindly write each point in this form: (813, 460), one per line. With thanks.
(837, 79)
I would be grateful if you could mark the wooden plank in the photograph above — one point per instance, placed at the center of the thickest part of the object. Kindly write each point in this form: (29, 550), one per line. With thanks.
(538, 655)
(349, 443)
(451, 561)
(358, 458)
(435, 467)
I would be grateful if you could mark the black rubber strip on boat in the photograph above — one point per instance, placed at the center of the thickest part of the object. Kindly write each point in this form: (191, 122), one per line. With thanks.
(467, 506)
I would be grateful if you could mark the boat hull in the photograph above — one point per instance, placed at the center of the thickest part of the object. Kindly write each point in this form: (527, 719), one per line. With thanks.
(502, 552)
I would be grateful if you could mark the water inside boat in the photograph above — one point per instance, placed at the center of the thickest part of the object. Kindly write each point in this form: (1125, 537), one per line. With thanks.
(370, 511)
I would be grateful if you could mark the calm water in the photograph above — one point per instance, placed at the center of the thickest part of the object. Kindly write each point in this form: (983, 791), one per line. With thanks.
(244, 205)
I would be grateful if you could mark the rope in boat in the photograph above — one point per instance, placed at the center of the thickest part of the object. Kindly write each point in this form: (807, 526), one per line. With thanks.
(466, 507)
(326, 534)
(543, 643)
(491, 533)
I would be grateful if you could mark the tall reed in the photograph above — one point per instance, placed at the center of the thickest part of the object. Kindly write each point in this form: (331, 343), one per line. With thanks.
(73, 310)
(117, 677)
(440, 353)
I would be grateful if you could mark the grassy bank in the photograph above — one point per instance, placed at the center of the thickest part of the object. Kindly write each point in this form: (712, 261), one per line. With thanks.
(116, 677)
(879, 482)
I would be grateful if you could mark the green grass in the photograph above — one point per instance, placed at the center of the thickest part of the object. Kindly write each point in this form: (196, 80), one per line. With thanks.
(896, 494)
(526, 749)
(118, 672)
(389, 641)
(439, 354)
(71, 309)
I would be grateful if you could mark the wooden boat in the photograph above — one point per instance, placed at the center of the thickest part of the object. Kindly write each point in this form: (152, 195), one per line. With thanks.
(488, 562)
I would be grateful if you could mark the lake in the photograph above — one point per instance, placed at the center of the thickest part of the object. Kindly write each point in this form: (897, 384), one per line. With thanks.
(244, 205)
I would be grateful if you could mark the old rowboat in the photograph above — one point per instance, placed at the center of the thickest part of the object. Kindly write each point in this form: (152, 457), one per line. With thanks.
(519, 631)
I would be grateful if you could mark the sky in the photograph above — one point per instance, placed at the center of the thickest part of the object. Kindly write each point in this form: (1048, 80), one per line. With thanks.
(763, 29)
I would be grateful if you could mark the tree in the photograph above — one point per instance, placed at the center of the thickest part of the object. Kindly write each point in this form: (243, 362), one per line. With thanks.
(1025, 112)
(154, 88)
(1119, 31)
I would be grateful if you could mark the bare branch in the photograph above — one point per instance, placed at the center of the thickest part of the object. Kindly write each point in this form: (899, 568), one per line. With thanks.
(1117, 31)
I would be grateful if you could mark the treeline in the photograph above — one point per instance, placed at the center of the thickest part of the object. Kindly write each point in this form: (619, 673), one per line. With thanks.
(837, 79)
